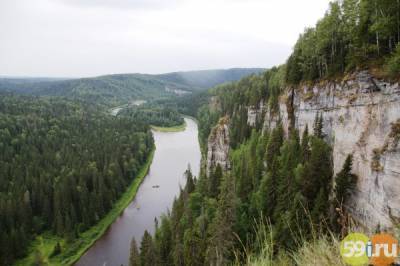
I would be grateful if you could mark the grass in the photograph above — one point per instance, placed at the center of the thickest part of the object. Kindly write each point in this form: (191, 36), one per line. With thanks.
(170, 129)
(320, 249)
(42, 247)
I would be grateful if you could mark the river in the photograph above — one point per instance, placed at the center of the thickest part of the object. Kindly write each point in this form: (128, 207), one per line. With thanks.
(174, 152)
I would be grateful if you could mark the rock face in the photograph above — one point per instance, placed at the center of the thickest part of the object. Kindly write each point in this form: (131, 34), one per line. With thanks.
(254, 113)
(218, 146)
(361, 115)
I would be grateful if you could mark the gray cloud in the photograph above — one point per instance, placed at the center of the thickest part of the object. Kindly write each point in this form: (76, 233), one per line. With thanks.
(87, 38)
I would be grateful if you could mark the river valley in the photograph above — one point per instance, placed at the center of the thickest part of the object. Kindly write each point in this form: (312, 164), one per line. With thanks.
(174, 152)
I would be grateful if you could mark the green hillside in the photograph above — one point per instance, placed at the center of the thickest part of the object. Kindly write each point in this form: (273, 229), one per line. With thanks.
(209, 78)
(122, 88)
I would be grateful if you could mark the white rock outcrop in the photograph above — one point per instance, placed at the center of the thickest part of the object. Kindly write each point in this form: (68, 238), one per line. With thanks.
(359, 114)
(218, 146)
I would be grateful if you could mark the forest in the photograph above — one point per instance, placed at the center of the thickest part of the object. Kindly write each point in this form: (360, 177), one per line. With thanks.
(353, 34)
(284, 182)
(118, 89)
(278, 186)
(64, 161)
(153, 114)
(63, 164)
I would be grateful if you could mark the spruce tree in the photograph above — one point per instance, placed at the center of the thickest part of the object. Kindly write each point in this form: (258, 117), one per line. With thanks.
(274, 144)
(305, 145)
(163, 241)
(190, 183)
(318, 126)
(147, 250)
(214, 181)
(345, 181)
(221, 241)
(134, 258)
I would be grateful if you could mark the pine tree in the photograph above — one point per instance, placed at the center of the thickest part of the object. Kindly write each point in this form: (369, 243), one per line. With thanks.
(266, 195)
(190, 183)
(221, 239)
(345, 181)
(147, 250)
(163, 241)
(192, 248)
(318, 126)
(214, 181)
(318, 170)
(305, 145)
(320, 208)
(274, 144)
(134, 258)
(288, 161)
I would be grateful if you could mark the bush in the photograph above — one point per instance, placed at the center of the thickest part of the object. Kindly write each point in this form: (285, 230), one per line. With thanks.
(393, 64)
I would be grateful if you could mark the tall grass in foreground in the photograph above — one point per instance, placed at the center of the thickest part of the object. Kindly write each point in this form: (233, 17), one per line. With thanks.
(321, 250)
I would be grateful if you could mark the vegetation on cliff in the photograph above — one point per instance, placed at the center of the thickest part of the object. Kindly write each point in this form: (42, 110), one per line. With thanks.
(277, 178)
(353, 34)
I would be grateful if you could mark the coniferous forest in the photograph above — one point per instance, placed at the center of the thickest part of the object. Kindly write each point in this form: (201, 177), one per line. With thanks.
(62, 166)
(65, 161)
(280, 185)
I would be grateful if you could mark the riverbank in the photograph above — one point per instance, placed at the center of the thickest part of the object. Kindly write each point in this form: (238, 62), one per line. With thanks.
(170, 129)
(155, 196)
(43, 246)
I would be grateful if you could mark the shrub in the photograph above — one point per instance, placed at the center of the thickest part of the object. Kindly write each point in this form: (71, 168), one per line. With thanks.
(393, 64)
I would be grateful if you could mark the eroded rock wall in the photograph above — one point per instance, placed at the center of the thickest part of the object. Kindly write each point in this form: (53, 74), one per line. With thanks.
(218, 146)
(359, 116)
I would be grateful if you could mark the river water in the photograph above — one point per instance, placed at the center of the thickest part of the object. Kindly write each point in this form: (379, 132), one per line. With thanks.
(174, 152)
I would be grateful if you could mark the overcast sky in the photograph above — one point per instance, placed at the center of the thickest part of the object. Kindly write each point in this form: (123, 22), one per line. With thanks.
(74, 38)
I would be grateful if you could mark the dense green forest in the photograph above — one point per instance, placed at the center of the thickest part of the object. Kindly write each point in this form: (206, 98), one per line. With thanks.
(273, 179)
(62, 166)
(119, 89)
(279, 184)
(208, 78)
(353, 34)
(64, 161)
(109, 90)
(154, 114)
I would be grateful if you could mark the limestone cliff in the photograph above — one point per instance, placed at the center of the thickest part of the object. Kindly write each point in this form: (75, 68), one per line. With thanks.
(361, 117)
(218, 146)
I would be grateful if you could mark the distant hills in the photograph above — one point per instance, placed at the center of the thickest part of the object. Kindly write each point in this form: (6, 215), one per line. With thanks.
(121, 88)
(204, 79)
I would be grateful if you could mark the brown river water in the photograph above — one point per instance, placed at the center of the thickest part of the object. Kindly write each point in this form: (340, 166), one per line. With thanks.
(174, 152)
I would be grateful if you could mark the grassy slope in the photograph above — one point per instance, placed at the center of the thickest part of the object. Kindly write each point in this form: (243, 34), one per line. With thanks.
(322, 250)
(71, 252)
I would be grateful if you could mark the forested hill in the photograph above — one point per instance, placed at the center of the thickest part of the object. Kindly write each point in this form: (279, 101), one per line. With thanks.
(120, 88)
(208, 78)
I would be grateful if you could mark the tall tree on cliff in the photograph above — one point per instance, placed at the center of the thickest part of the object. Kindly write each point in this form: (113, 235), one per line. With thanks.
(345, 183)
(318, 126)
